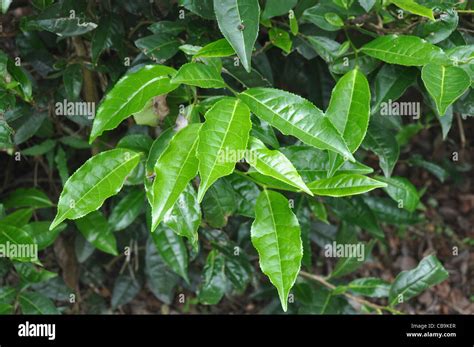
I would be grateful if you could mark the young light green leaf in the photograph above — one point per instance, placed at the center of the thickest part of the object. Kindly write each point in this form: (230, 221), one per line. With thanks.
(176, 166)
(281, 39)
(402, 191)
(199, 75)
(415, 8)
(95, 230)
(276, 235)
(273, 163)
(404, 50)
(344, 185)
(238, 21)
(99, 178)
(129, 95)
(222, 141)
(408, 284)
(445, 84)
(217, 49)
(349, 108)
(293, 115)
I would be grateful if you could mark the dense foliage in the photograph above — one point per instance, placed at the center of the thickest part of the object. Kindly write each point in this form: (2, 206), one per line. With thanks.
(231, 152)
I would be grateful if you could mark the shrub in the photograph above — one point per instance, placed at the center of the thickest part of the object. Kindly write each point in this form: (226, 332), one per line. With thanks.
(236, 147)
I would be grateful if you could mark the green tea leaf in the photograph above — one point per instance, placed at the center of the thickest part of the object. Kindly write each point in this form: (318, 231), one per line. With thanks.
(129, 95)
(344, 185)
(172, 250)
(213, 286)
(402, 191)
(445, 84)
(238, 21)
(413, 7)
(404, 50)
(27, 197)
(217, 49)
(176, 166)
(127, 210)
(276, 236)
(273, 163)
(293, 115)
(408, 284)
(95, 230)
(349, 108)
(97, 179)
(222, 141)
(184, 217)
(199, 75)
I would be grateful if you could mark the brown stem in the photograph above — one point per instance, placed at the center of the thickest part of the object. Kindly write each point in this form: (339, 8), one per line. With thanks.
(361, 301)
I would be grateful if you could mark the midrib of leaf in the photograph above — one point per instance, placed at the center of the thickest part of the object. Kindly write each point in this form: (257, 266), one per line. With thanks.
(443, 71)
(200, 80)
(9, 237)
(389, 52)
(97, 184)
(32, 304)
(175, 255)
(241, 31)
(349, 108)
(221, 145)
(218, 202)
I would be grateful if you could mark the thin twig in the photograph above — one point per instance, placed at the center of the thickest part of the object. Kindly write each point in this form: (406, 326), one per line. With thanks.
(361, 301)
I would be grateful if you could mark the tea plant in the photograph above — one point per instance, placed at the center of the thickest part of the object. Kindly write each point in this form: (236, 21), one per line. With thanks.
(232, 138)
